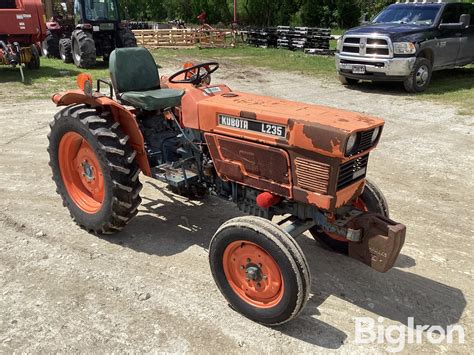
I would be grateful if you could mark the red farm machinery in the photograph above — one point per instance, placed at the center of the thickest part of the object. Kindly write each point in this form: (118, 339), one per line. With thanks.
(22, 25)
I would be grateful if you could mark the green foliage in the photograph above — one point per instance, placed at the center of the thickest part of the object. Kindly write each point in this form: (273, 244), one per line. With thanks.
(324, 13)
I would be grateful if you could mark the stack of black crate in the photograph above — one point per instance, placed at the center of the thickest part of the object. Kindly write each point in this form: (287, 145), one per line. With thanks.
(311, 40)
(262, 37)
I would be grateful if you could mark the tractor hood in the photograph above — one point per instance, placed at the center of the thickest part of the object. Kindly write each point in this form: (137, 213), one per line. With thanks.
(281, 122)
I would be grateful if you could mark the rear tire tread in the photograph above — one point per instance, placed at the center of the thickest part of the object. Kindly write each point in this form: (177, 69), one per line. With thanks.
(125, 187)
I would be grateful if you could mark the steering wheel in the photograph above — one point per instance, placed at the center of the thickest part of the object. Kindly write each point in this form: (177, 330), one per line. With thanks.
(193, 75)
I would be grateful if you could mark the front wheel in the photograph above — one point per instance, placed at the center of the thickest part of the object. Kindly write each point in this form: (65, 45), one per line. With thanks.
(65, 51)
(260, 270)
(371, 200)
(420, 76)
(94, 169)
(50, 45)
(347, 81)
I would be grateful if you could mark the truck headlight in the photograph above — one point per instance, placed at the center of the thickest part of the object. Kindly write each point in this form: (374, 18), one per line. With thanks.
(351, 142)
(404, 48)
(339, 44)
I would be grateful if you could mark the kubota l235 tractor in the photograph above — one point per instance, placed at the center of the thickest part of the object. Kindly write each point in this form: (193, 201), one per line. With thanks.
(301, 165)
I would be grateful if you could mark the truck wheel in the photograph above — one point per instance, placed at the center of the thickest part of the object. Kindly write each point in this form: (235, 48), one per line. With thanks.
(83, 49)
(420, 76)
(127, 38)
(260, 270)
(65, 51)
(94, 169)
(34, 63)
(347, 81)
(371, 200)
(50, 45)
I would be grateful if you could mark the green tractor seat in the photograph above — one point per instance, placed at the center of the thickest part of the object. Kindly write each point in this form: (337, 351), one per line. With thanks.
(136, 80)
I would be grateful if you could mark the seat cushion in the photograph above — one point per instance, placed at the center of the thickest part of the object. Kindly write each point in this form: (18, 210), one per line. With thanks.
(152, 100)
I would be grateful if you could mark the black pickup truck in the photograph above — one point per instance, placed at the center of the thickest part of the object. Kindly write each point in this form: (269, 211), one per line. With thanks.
(406, 42)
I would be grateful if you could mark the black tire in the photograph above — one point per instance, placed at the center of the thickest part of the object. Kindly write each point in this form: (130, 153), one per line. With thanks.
(347, 81)
(83, 49)
(126, 38)
(35, 61)
(285, 252)
(65, 50)
(117, 162)
(375, 203)
(50, 45)
(420, 76)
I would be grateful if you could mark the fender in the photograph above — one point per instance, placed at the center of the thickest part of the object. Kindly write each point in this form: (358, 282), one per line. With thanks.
(120, 114)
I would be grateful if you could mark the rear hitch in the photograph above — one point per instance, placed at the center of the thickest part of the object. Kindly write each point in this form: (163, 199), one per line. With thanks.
(381, 243)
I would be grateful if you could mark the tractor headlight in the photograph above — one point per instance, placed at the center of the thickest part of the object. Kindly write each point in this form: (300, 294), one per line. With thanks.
(351, 142)
(404, 48)
(339, 44)
(375, 134)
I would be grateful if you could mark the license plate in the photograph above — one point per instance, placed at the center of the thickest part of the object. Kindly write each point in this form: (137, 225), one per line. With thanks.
(106, 26)
(358, 69)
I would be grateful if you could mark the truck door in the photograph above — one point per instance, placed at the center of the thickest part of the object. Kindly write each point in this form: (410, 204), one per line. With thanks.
(449, 40)
(466, 50)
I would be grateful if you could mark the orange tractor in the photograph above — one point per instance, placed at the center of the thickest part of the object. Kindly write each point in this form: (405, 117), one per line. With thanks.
(303, 166)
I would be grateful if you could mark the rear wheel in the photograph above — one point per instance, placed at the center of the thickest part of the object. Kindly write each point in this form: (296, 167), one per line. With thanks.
(347, 81)
(65, 50)
(50, 45)
(35, 60)
(94, 169)
(260, 270)
(371, 200)
(83, 49)
(127, 38)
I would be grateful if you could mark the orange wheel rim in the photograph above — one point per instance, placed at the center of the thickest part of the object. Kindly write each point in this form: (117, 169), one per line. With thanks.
(253, 274)
(81, 172)
(360, 205)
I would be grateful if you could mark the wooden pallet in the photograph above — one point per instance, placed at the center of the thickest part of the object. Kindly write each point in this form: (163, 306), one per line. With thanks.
(177, 38)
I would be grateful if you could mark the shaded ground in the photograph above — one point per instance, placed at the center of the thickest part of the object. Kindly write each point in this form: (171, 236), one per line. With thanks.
(149, 288)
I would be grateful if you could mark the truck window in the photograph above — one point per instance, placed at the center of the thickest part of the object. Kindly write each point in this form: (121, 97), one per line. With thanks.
(468, 9)
(7, 4)
(451, 14)
(412, 14)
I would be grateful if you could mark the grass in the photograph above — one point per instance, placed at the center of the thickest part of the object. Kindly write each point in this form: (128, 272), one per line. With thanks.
(53, 76)
(271, 58)
(454, 87)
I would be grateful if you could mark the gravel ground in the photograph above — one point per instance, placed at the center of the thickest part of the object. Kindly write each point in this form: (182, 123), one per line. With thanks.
(149, 288)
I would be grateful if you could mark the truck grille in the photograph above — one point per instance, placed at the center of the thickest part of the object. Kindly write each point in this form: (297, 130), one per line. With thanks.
(366, 46)
(312, 175)
(352, 171)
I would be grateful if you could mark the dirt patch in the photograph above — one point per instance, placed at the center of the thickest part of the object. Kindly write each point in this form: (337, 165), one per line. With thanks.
(149, 288)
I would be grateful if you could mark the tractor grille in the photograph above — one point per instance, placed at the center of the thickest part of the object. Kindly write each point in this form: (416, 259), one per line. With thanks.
(366, 46)
(352, 171)
(312, 175)
(365, 141)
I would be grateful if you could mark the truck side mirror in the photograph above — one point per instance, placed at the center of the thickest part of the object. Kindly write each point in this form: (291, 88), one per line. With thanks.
(464, 22)
(465, 19)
